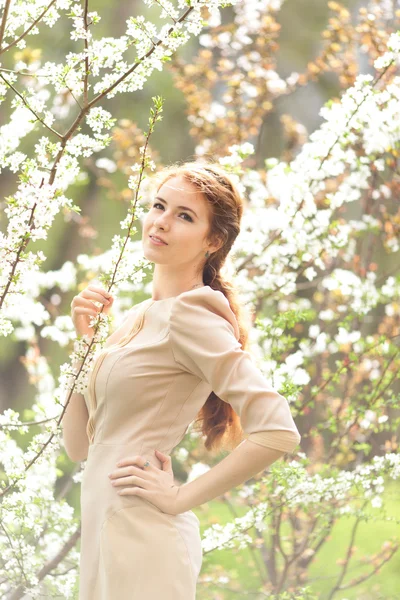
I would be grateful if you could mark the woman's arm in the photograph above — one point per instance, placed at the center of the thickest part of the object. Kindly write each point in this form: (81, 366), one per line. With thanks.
(245, 461)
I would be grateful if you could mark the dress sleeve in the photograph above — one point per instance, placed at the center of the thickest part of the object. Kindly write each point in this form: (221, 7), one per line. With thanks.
(204, 336)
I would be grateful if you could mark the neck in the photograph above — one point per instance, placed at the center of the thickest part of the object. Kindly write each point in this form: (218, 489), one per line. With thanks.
(167, 284)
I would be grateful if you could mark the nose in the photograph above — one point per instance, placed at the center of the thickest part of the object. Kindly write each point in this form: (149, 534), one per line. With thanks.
(162, 221)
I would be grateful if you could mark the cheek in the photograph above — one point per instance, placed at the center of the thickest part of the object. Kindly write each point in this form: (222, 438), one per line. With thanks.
(146, 222)
(191, 238)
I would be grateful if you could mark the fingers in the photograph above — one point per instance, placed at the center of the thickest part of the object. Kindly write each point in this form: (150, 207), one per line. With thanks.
(126, 471)
(94, 289)
(84, 302)
(134, 460)
(130, 476)
(131, 480)
(95, 295)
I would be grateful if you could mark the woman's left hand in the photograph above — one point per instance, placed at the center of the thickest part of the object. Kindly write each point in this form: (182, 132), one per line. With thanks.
(151, 483)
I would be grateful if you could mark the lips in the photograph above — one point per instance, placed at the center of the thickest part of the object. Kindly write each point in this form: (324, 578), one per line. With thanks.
(158, 239)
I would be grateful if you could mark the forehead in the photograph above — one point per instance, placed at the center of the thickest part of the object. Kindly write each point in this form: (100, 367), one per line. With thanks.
(177, 188)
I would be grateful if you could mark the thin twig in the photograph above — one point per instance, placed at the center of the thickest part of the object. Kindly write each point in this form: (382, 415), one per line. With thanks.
(86, 76)
(4, 21)
(346, 562)
(30, 108)
(25, 423)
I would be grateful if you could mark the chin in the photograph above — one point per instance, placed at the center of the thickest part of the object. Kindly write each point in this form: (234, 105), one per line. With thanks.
(149, 255)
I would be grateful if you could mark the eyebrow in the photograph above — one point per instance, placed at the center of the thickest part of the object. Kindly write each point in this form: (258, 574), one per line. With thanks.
(183, 207)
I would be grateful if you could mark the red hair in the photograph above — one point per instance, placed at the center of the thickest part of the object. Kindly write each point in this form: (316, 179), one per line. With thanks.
(217, 420)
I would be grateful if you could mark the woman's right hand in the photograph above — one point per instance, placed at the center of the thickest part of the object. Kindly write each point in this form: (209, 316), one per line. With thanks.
(83, 307)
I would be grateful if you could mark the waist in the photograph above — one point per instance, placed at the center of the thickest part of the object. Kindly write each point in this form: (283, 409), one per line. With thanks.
(102, 459)
(117, 452)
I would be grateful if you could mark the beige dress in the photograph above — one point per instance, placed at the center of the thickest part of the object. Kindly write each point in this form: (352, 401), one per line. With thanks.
(145, 389)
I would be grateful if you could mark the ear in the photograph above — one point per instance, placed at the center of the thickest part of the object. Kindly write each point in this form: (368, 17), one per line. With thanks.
(216, 244)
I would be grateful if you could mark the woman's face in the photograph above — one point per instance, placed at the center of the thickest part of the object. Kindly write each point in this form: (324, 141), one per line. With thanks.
(179, 215)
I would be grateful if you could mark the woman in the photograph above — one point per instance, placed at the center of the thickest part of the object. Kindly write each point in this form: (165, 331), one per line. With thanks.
(176, 356)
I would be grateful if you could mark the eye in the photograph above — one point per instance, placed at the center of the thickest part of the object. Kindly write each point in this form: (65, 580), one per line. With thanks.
(182, 213)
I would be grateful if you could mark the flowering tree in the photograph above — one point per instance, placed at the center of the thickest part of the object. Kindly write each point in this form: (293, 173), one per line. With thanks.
(320, 228)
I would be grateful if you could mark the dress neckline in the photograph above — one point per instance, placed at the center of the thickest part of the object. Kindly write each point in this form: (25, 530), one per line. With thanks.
(172, 297)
